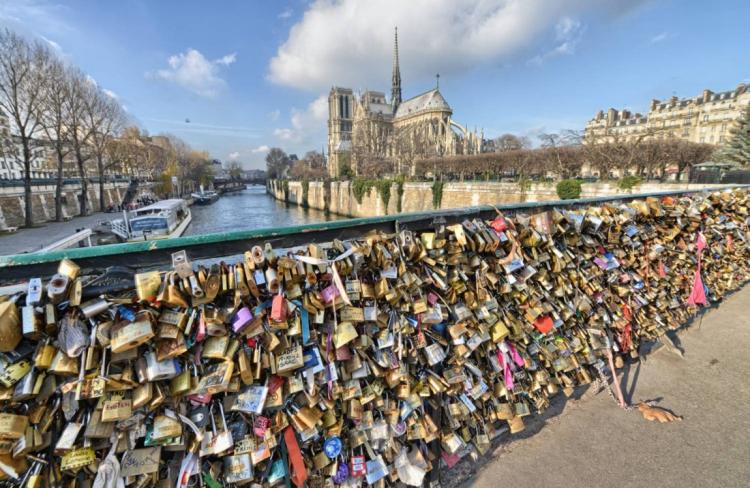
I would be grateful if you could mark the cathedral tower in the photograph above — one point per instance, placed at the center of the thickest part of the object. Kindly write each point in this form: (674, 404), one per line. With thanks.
(396, 76)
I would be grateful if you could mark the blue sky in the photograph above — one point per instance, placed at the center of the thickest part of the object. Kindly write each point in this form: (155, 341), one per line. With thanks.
(250, 75)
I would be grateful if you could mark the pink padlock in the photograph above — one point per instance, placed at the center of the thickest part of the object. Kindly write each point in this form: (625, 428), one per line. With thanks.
(329, 293)
(242, 320)
(278, 309)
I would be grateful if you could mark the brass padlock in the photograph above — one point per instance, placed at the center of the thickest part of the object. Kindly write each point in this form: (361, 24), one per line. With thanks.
(10, 326)
(147, 285)
(57, 288)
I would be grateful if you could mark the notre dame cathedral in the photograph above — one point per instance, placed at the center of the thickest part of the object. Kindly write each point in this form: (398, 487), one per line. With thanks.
(368, 129)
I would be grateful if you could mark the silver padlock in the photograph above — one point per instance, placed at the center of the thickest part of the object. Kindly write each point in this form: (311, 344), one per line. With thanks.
(160, 370)
(94, 307)
(31, 323)
(34, 293)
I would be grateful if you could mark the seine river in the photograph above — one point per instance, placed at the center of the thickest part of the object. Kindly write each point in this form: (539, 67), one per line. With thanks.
(250, 209)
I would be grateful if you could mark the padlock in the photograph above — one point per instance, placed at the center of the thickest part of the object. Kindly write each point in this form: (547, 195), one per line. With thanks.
(57, 288)
(238, 468)
(31, 323)
(157, 370)
(10, 326)
(129, 335)
(216, 442)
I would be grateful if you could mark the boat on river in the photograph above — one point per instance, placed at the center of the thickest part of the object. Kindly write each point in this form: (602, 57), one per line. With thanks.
(162, 220)
(206, 197)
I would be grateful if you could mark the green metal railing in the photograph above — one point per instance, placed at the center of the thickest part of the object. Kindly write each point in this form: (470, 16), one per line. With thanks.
(212, 246)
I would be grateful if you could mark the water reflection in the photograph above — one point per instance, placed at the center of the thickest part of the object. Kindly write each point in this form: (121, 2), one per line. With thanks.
(250, 209)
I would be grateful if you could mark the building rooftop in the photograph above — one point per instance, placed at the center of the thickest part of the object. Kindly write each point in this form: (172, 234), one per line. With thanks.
(431, 100)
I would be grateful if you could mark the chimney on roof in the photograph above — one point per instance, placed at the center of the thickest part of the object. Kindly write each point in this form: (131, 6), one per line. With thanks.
(654, 103)
(707, 95)
(741, 88)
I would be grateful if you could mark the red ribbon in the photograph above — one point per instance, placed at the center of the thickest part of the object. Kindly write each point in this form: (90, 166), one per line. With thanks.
(297, 470)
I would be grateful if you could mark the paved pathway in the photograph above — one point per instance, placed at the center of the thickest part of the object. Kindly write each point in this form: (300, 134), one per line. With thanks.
(590, 442)
(30, 240)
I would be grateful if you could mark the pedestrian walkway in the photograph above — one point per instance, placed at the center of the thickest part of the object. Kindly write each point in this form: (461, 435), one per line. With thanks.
(591, 442)
(30, 240)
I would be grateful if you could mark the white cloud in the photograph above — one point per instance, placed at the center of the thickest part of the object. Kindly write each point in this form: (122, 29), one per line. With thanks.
(662, 36)
(234, 156)
(227, 59)
(305, 123)
(568, 33)
(192, 71)
(286, 13)
(349, 43)
(260, 149)
(110, 93)
(285, 134)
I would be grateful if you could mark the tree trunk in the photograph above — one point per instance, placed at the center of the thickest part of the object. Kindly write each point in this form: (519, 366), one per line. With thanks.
(59, 187)
(29, 220)
(84, 187)
(100, 166)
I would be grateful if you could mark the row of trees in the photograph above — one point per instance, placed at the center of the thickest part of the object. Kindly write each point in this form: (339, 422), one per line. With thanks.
(165, 155)
(47, 100)
(281, 165)
(562, 155)
(55, 107)
(648, 160)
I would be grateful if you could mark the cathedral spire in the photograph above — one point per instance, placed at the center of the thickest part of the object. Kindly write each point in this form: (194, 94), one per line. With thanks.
(396, 76)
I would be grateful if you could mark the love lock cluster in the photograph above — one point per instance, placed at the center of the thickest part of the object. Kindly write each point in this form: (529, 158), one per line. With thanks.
(372, 361)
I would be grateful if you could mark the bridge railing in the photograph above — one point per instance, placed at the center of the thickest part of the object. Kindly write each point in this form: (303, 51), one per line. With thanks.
(149, 254)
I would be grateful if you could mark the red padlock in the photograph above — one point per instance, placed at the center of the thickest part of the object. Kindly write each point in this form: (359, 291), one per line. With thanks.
(358, 466)
(279, 309)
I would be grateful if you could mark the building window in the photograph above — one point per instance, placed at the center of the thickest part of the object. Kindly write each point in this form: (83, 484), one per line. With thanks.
(703, 140)
(721, 138)
(705, 118)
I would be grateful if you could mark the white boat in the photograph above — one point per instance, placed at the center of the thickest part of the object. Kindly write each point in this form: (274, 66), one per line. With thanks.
(162, 220)
(204, 197)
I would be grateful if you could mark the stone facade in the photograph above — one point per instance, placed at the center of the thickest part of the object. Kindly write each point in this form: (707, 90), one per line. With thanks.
(706, 118)
(12, 209)
(337, 196)
(369, 126)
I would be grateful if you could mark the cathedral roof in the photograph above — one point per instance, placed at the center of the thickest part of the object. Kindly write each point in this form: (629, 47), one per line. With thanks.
(431, 100)
(381, 108)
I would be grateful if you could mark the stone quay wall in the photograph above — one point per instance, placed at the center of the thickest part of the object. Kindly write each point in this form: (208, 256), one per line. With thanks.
(12, 206)
(338, 197)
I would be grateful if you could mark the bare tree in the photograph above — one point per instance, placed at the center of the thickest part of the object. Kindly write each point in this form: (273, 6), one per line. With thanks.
(277, 163)
(82, 90)
(22, 68)
(105, 119)
(55, 122)
(510, 142)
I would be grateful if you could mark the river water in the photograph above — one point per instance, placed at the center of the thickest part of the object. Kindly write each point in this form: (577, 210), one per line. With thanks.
(249, 209)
